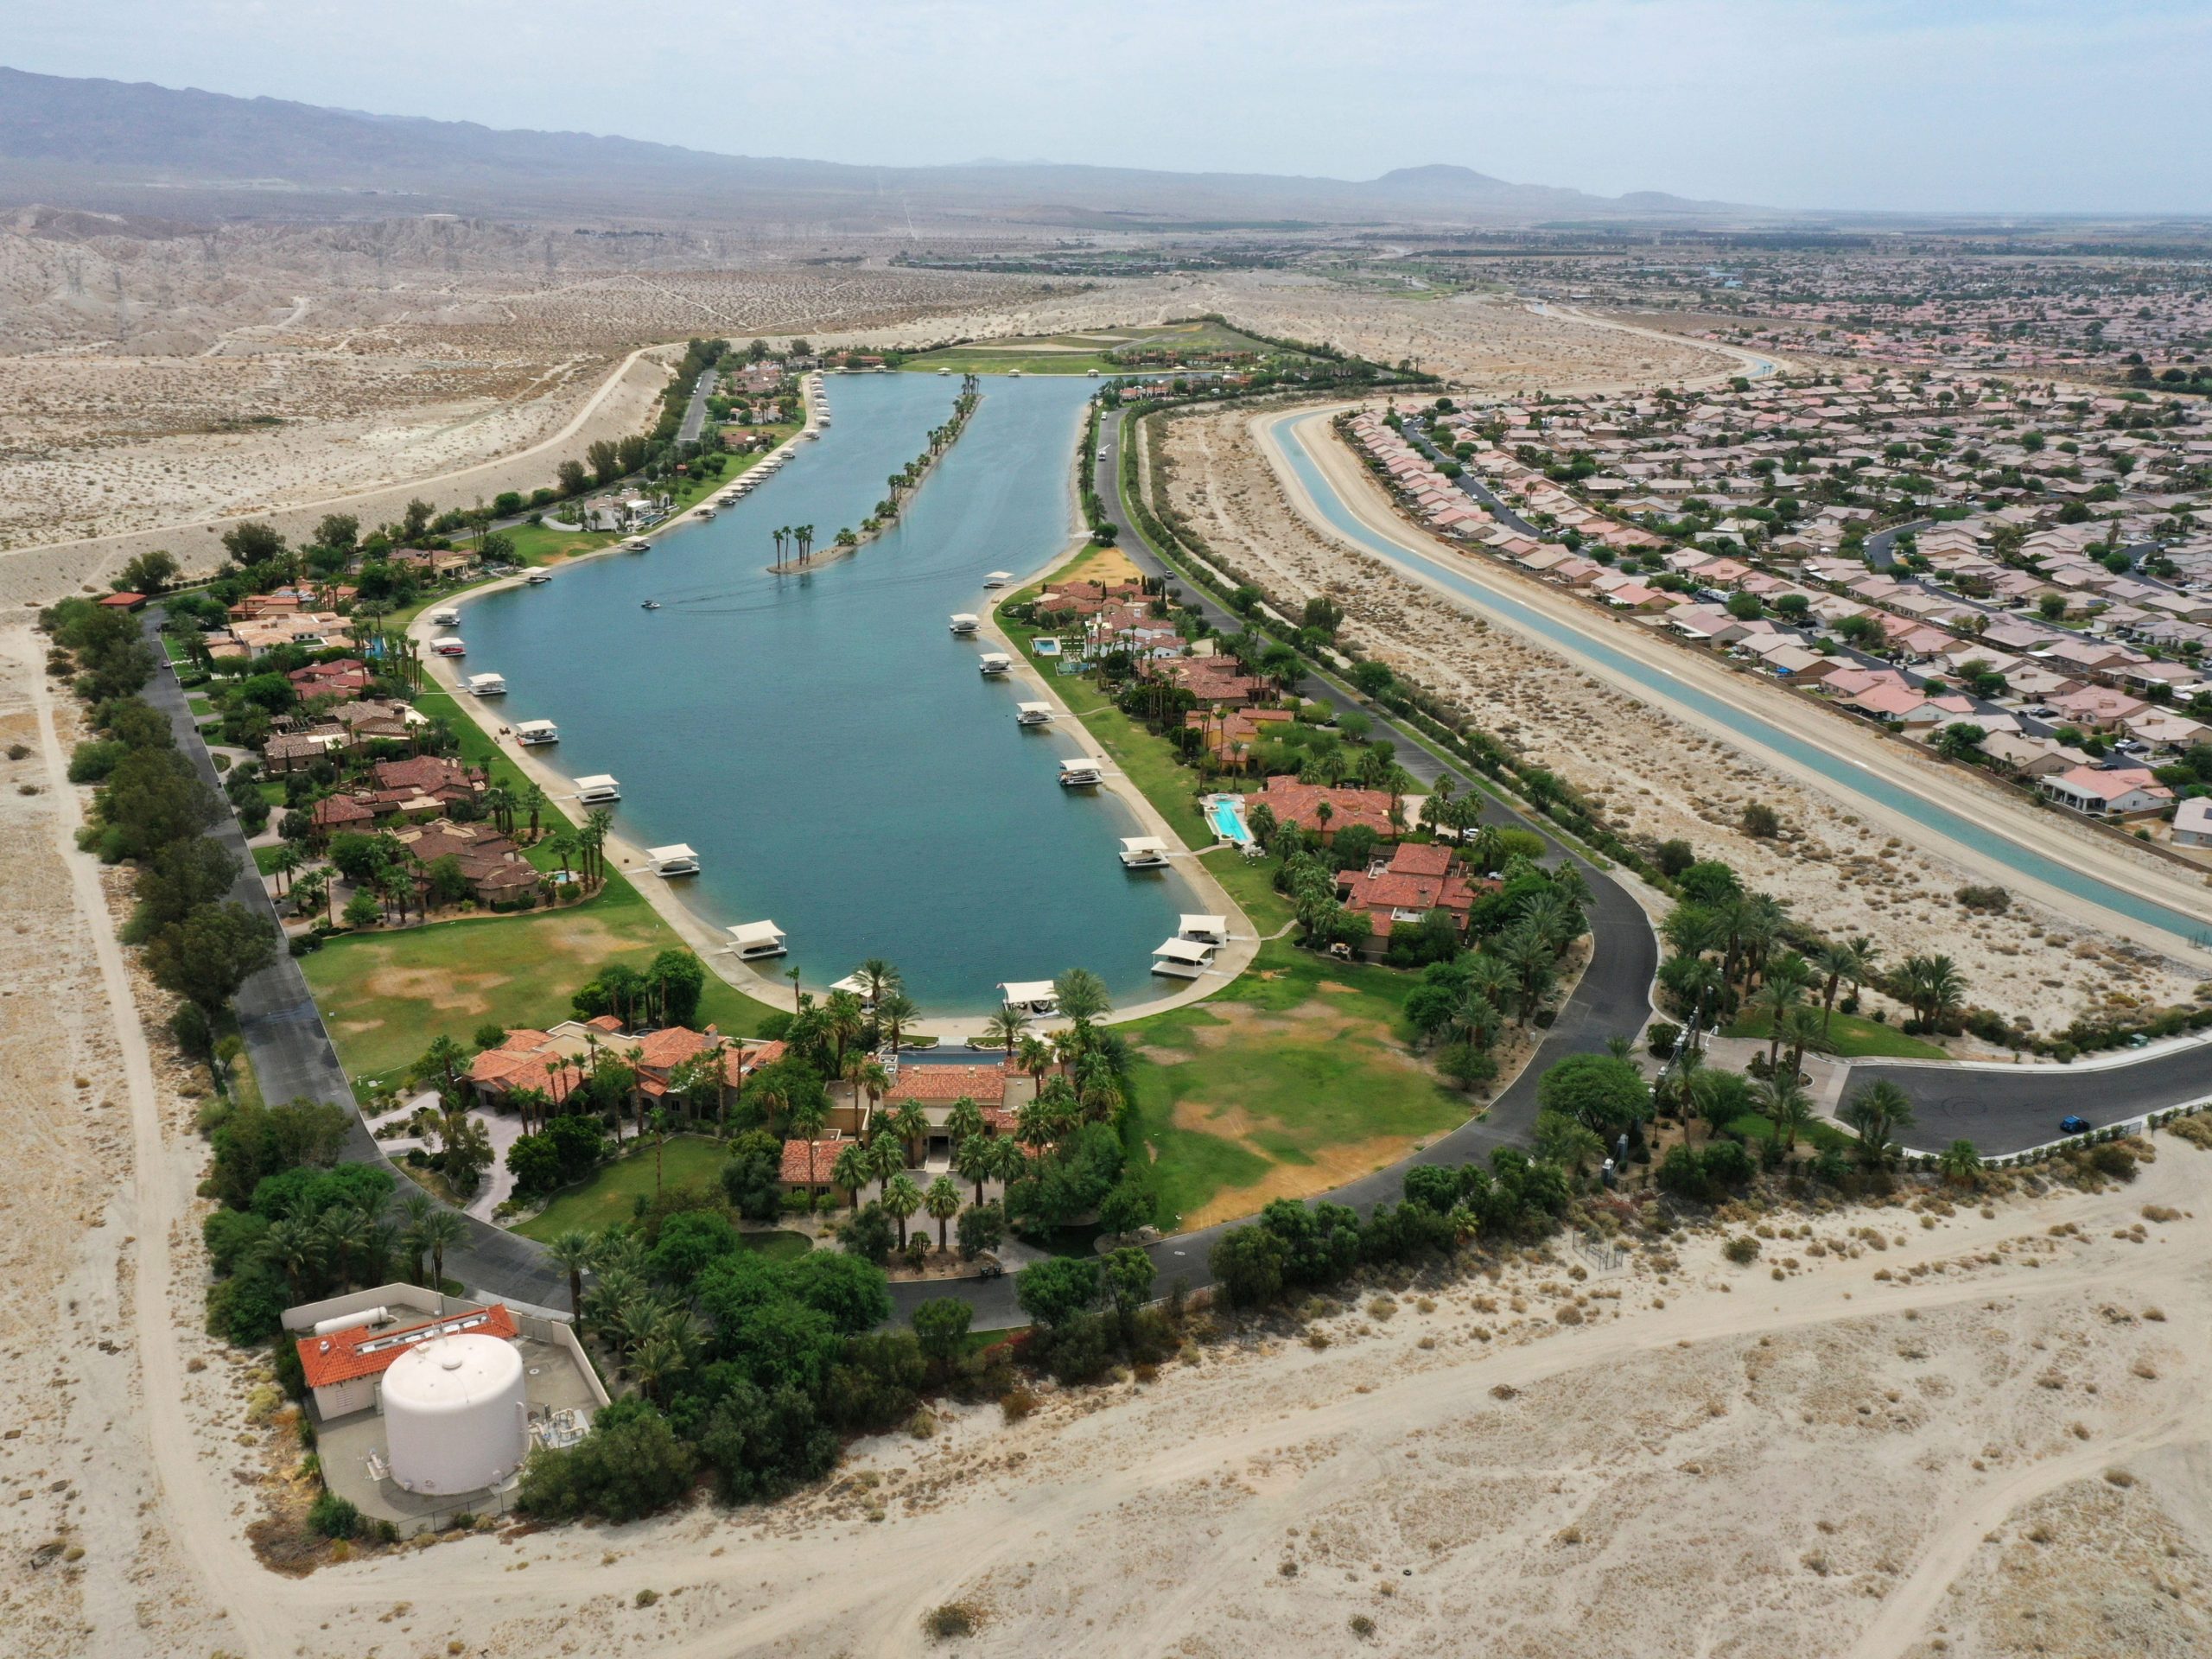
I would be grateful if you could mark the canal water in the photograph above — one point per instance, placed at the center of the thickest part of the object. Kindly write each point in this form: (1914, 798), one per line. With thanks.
(822, 740)
(1295, 437)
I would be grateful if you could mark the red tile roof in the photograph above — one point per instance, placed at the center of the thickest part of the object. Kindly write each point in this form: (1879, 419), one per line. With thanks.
(1292, 802)
(984, 1084)
(364, 1350)
(825, 1153)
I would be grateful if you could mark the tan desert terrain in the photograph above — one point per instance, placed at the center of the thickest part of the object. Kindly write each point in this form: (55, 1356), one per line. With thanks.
(1844, 873)
(154, 388)
(1470, 340)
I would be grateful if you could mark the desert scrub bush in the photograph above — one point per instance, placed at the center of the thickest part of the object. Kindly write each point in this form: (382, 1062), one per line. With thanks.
(1017, 1403)
(1382, 1307)
(953, 1618)
(1743, 1250)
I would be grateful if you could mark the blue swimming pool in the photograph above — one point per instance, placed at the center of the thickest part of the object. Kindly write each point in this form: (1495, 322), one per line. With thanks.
(1226, 814)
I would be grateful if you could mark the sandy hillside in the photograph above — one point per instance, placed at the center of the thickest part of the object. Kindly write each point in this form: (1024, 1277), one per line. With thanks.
(1651, 776)
(152, 380)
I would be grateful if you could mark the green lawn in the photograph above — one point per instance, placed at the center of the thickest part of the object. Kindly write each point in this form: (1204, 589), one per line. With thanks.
(386, 996)
(974, 359)
(1292, 1080)
(609, 1195)
(1078, 354)
(264, 858)
(1854, 1037)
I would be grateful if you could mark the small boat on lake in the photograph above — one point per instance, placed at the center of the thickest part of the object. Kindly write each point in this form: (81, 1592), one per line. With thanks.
(650, 605)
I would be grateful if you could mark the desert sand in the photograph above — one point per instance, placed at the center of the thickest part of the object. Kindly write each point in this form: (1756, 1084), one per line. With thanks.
(1973, 1430)
(1843, 872)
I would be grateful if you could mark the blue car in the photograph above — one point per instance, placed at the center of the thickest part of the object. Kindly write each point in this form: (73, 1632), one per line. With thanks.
(2073, 1126)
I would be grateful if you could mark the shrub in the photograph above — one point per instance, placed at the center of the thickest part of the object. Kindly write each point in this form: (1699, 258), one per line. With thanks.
(1991, 899)
(1743, 1250)
(1661, 1038)
(1760, 822)
(953, 1618)
(334, 1516)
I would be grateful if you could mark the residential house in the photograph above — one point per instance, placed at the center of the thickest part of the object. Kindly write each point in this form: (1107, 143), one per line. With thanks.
(2122, 792)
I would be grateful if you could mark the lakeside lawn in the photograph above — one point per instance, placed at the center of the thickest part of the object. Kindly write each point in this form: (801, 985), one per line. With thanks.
(1855, 1037)
(610, 1195)
(386, 996)
(1293, 1080)
(1079, 353)
(976, 359)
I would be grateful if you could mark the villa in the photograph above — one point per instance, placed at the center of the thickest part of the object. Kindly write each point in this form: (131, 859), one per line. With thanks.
(557, 1060)
(1292, 802)
(1415, 880)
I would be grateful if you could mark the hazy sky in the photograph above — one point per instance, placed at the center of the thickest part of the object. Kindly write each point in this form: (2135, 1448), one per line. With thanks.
(1991, 104)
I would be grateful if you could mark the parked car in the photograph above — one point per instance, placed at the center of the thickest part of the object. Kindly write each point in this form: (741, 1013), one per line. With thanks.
(2073, 1125)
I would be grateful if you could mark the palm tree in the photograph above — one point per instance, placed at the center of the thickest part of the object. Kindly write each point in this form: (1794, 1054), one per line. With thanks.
(440, 1065)
(910, 1123)
(1880, 1112)
(1934, 988)
(1786, 1104)
(572, 1252)
(1082, 997)
(894, 1011)
(533, 801)
(1004, 1028)
(805, 1120)
(1803, 1030)
(1011, 1161)
(500, 802)
(592, 837)
(879, 979)
(414, 1209)
(1776, 998)
(1035, 1058)
(943, 1202)
(1835, 962)
(1960, 1164)
(901, 1197)
(658, 1124)
(869, 1080)
(977, 1161)
(964, 1119)
(293, 1246)
(289, 858)
(850, 1171)
(344, 1232)
(844, 1019)
(439, 1230)
(798, 1001)
(562, 845)
(886, 1157)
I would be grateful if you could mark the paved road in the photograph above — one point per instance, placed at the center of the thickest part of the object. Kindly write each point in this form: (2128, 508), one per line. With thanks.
(694, 412)
(2010, 1108)
(291, 1051)
(1612, 998)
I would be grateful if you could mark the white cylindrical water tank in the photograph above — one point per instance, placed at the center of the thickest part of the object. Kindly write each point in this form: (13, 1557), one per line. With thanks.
(455, 1415)
(348, 1321)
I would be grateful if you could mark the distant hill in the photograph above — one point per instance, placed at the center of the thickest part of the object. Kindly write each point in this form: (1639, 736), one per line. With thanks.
(141, 148)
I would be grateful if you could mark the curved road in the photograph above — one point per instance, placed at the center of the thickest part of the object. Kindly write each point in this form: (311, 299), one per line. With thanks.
(2000, 1108)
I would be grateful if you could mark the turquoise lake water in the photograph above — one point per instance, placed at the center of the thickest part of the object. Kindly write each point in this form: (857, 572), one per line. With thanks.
(1858, 780)
(822, 740)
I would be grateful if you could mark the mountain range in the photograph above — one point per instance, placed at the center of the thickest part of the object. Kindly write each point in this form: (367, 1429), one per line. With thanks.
(134, 146)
